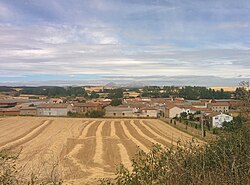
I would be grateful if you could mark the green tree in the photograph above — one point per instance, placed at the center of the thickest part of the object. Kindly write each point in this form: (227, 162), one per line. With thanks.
(95, 114)
(116, 102)
(94, 95)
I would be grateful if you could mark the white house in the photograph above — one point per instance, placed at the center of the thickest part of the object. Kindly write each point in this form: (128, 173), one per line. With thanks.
(149, 112)
(217, 119)
(119, 111)
(173, 111)
(55, 109)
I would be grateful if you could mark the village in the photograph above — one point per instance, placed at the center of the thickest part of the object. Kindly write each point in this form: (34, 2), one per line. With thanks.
(210, 112)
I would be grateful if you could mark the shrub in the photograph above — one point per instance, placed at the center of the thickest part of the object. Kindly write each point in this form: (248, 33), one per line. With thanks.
(225, 161)
(95, 114)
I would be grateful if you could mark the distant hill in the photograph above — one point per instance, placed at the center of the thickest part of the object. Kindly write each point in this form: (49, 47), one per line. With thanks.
(132, 84)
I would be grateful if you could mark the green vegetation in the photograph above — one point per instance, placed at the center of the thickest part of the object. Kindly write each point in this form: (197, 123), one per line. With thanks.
(94, 95)
(10, 174)
(6, 89)
(115, 93)
(91, 114)
(95, 114)
(53, 91)
(225, 161)
(116, 102)
(187, 92)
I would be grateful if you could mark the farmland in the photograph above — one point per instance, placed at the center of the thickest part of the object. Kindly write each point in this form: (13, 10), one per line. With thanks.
(85, 149)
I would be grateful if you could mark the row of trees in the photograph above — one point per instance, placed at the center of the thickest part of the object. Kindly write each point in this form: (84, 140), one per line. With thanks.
(187, 92)
(91, 114)
(53, 91)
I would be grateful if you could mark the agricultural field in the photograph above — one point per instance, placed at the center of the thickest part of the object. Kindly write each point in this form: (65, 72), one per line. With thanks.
(84, 150)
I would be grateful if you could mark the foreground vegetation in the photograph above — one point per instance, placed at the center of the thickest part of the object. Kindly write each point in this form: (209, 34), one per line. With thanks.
(225, 161)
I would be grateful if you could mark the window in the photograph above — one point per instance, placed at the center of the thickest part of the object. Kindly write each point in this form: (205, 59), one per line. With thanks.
(123, 114)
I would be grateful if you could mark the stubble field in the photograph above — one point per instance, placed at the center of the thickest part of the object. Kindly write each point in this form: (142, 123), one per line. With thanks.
(84, 150)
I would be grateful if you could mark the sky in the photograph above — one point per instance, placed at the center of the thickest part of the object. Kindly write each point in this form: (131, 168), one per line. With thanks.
(156, 42)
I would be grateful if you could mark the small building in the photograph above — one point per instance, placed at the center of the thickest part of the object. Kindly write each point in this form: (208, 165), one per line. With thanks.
(149, 112)
(83, 108)
(219, 107)
(217, 119)
(120, 111)
(28, 111)
(9, 112)
(172, 111)
(55, 100)
(56, 109)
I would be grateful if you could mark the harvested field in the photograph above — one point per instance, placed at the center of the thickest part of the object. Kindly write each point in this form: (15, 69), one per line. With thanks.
(85, 149)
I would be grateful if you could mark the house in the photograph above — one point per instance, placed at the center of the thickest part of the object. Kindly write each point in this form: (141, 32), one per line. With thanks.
(172, 111)
(120, 111)
(217, 119)
(9, 111)
(54, 109)
(28, 111)
(55, 100)
(83, 108)
(149, 112)
(219, 106)
(8, 103)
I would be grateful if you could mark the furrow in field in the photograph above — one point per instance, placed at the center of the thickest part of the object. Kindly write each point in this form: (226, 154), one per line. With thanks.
(86, 130)
(130, 146)
(144, 135)
(137, 142)
(71, 155)
(98, 157)
(18, 126)
(20, 136)
(31, 135)
(124, 157)
(75, 161)
(156, 134)
(113, 131)
(175, 133)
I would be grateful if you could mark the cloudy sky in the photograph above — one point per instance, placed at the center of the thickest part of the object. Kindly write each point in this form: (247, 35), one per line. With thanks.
(168, 42)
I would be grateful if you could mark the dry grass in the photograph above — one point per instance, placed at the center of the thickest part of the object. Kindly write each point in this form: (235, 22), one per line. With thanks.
(85, 149)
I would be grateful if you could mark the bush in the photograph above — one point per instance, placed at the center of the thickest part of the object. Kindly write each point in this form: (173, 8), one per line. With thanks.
(10, 174)
(225, 161)
(95, 114)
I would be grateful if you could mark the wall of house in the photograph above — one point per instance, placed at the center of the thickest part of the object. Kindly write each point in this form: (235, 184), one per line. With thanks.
(173, 112)
(85, 109)
(149, 113)
(28, 112)
(114, 113)
(218, 120)
(224, 109)
(9, 113)
(53, 111)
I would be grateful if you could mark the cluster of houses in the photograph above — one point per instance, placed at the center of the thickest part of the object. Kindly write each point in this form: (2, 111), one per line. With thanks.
(214, 111)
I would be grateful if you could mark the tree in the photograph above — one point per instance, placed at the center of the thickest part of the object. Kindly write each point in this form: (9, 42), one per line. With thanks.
(95, 114)
(183, 115)
(116, 102)
(94, 95)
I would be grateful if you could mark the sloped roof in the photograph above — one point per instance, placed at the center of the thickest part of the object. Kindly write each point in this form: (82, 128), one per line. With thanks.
(148, 108)
(53, 105)
(90, 104)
